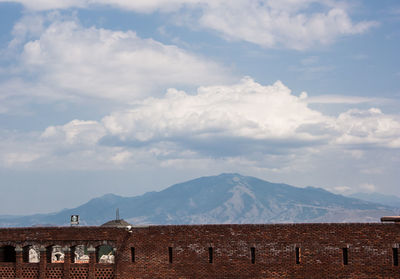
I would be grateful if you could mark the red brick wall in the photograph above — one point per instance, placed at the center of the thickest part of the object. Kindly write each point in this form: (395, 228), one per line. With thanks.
(369, 249)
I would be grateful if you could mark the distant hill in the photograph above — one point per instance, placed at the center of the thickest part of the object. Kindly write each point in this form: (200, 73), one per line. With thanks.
(226, 198)
(391, 200)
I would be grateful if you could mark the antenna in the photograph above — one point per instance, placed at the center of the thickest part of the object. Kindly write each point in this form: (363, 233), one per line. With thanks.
(117, 215)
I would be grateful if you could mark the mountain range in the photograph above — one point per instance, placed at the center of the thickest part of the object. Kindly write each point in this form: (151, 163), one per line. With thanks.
(226, 198)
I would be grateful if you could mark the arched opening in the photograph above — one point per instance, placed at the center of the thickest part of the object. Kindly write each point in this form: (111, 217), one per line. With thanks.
(54, 254)
(34, 254)
(7, 253)
(57, 255)
(30, 254)
(79, 254)
(105, 254)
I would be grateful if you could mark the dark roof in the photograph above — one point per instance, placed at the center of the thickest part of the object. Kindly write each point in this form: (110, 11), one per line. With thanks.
(121, 223)
(390, 219)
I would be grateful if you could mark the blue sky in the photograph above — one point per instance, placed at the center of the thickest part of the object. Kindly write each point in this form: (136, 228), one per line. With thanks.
(100, 96)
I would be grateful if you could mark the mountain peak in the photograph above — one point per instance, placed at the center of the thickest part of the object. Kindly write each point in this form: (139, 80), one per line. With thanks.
(223, 198)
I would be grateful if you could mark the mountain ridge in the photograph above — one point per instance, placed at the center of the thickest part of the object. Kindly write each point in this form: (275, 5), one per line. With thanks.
(225, 198)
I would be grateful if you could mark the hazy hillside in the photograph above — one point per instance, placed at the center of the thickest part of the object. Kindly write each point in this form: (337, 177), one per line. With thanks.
(391, 200)
(226, 198)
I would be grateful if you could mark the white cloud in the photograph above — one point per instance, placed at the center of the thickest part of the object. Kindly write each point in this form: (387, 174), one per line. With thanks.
(76, 132)
(231, 120)
(265, 127)
(268, 23)
(27, 27)
(249, 117)
(246, 110)
(282, 23)
(66, 60)
(369, 127)
(367, 187)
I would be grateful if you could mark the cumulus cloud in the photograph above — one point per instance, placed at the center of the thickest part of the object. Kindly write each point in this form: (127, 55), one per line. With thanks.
(252, 113)
(243, 111)
(368, 127)
(268, 23)
(66, 60)
(229, 121)
(246, 110)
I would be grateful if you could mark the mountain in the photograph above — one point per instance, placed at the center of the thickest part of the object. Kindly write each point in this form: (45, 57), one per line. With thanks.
(226, 198)
(392, 201)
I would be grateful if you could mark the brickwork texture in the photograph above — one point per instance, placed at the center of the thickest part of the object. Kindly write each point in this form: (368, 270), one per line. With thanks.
(211, 251)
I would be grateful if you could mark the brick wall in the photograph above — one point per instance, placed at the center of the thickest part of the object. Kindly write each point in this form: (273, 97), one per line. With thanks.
(320, 251)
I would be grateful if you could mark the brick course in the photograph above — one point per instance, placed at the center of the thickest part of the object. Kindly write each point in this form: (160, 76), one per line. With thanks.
(369, 246)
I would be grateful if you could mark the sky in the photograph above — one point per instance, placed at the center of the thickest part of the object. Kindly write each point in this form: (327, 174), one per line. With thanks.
(126, 97)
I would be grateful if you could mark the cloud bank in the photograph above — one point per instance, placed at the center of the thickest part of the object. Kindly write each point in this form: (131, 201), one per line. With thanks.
(245, 110)
(290, 24)
(246, 121)
(60, 58)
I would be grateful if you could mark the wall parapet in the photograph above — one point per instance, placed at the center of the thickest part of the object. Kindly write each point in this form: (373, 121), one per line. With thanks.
(356, 250)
